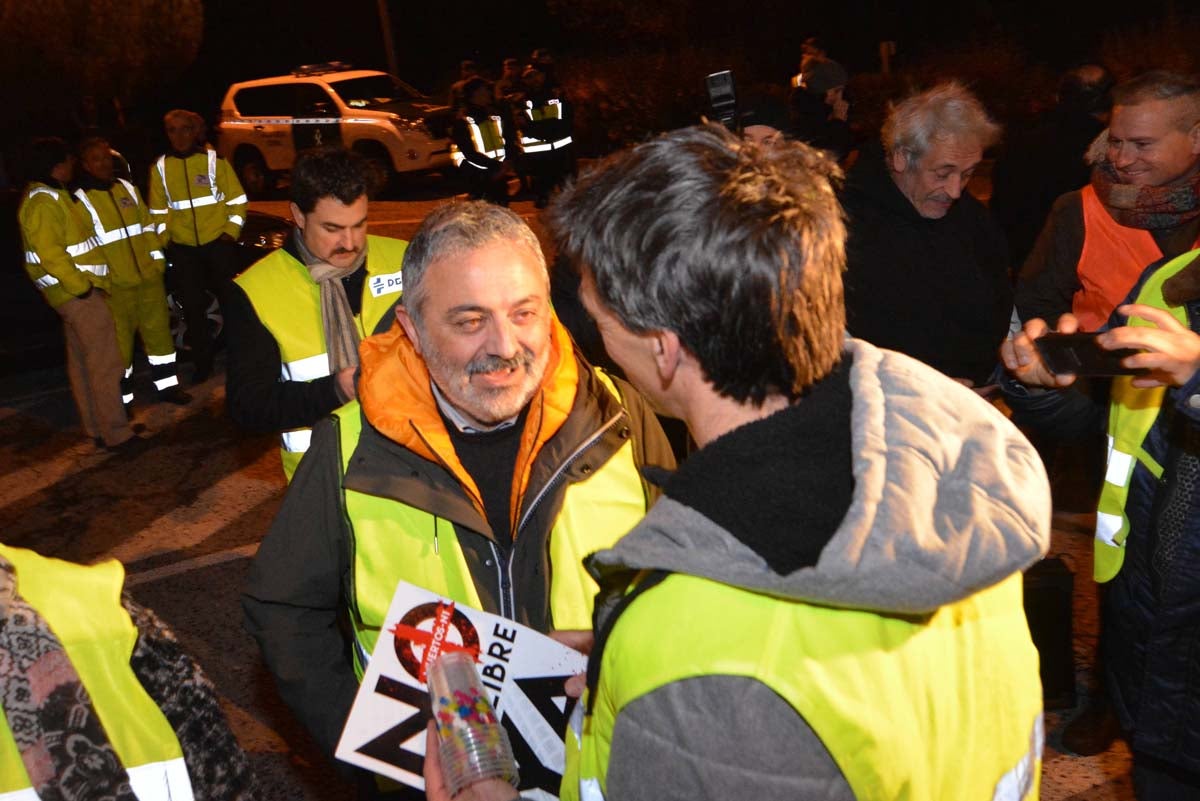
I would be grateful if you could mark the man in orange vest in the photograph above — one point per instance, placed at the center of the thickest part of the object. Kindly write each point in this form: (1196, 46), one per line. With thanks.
(1143, 204)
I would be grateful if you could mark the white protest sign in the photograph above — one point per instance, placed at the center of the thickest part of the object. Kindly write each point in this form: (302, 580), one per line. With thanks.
(522, 670)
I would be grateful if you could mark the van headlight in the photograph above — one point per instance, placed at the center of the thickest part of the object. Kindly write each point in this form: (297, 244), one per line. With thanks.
(405, 124)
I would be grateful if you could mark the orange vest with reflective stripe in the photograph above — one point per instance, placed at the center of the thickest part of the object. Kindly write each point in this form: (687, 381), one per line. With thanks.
(1112, 260)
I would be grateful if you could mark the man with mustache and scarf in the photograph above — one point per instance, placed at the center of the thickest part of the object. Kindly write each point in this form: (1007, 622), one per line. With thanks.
(296, 317)
(483, 460)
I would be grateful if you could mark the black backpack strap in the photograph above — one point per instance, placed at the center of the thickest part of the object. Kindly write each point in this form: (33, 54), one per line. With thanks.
(635, 584)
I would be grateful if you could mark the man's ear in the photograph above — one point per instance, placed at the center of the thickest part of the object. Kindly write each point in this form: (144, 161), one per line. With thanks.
(409, 325)
(898, 160)
(1194, 137)
(297, 215)
(668, 354)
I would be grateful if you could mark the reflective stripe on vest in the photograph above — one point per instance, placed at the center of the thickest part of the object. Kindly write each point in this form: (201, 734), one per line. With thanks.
(83, 253)
(882, 692)
(393, 541)
(160, 781)
(288, 303)
(530, 145)
(80, 248)
(1111, 262)
(488, 140)
(98, 637)
(308, 369)
(551, 111)
(1132, 413)
(214, 197)
(102, 235)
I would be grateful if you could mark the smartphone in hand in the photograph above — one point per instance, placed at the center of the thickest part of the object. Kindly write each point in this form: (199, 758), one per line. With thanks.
(1080, 354)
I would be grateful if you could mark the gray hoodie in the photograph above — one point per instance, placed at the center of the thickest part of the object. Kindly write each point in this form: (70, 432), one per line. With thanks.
(948, 498)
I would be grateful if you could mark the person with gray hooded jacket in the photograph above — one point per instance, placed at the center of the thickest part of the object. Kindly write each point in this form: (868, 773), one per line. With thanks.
(827, 601)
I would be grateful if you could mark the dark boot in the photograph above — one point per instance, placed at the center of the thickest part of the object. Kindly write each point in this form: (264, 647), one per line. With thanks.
(174, 395)
(1093, 730)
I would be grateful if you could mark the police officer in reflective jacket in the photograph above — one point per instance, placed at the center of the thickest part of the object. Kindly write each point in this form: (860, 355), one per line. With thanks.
(544, 120)
(198, 207)
(480, 141)
(138, 298)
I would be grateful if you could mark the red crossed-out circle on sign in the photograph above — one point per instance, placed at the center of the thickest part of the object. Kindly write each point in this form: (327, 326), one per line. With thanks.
(435, 640)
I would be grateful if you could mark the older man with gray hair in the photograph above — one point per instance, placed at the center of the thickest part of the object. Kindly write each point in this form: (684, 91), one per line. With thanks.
(482, 460)
(927, 266)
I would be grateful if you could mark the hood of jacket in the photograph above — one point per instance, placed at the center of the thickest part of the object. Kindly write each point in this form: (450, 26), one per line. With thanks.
(948, 498)
(396, 398)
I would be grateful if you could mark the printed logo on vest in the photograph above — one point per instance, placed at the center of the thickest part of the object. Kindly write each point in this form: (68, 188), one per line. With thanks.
(126, 203)
(386, 284)
(201, 180)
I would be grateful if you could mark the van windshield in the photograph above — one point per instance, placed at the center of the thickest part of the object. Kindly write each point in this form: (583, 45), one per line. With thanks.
(376, 92)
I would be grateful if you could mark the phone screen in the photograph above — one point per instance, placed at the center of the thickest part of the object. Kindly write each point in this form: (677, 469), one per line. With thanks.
(1080, 354)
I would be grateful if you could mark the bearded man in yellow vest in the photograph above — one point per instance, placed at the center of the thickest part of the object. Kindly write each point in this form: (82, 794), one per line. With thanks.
(296, 317)
(483, 460)
(826, 603)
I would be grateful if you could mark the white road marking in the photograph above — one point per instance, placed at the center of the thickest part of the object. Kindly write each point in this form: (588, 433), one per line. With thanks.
(19, 485)
(134, 577)
(188, 526)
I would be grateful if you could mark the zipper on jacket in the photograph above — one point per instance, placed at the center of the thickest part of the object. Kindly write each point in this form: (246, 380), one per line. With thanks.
(128, 239)
(187, 183)
(562, 467)
(508, 601)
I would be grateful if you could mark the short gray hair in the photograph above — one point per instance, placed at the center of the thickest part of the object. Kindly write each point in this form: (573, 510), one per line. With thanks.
(1163, 85)
(947, 111)
(457, 228)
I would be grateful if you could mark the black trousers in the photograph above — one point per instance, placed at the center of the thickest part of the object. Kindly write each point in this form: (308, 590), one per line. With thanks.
(547, 170)
(489, 184)
(1156, 780)
(193, 272)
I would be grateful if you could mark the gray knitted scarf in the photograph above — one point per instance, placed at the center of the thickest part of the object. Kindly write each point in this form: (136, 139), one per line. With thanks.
(341, 332)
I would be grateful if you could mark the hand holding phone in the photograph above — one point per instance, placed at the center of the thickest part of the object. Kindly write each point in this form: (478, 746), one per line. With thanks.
(1081, 354)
